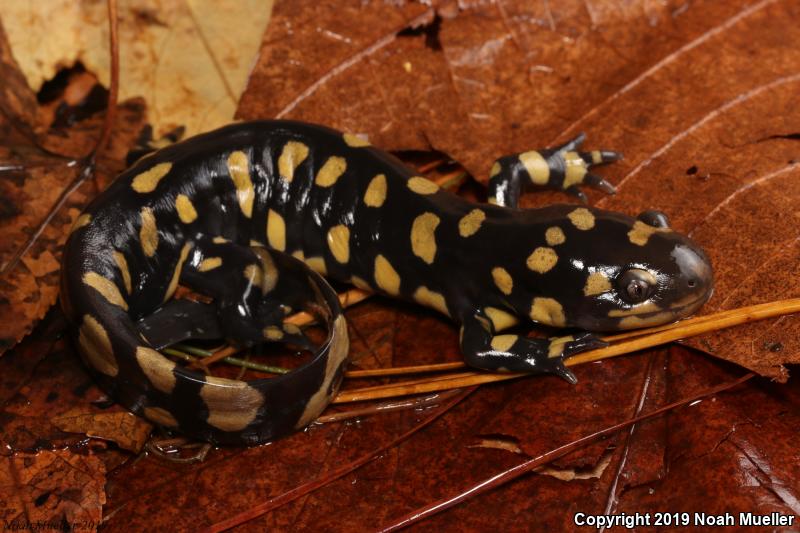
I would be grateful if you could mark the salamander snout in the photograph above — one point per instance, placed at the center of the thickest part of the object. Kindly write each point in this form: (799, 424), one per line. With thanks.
(695, 282)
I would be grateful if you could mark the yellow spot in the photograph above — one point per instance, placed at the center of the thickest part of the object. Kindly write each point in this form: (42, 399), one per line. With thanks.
(270, 272)
(317, 264)
(582, 218)
(240, 174)
(641, 232)
(173, 283)
(264, 276)
(496, 168)
(431, 299)
(386, 277)
(148, 233)
(298, 254)
(80, 222)
(186, 211)
(355, 141)
(159, 416)
(337, 357)
(107, 288)
(554, 236)
(292, 155)
(122, 264)
(423, 238)
(209, 263)
(503, 343)
(420, 185)
(148, 180)
(548, 311)
(157, 368)
(634, 322)
(330, 172)
(96, 346)
(276, 231)
(575, 169)
(471, 222)
(219, 240)
(500, 318)
(339, 243)
(376, 191)
(597, 157)
(292, 329)
(407, 66)
(536, 166)
(557, 345)
(253, 274)
(503, 280)
(492, 200)
(596, 283)
(232, 404)
(542, 259)
(273, 333)
(647, 307)
(360, 283)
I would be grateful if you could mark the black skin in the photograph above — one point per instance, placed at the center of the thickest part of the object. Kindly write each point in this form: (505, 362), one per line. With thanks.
(360, 216)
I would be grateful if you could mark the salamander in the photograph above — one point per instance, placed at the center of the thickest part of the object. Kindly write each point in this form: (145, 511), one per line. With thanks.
(253, 214)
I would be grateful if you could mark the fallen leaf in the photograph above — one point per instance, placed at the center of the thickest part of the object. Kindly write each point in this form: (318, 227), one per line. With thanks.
(129, 431)
(506, 77)
(700, 97)
(189, 60)
(32, 183)
(52, 490)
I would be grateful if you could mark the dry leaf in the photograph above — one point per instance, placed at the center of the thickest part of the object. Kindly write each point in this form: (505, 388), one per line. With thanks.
(189, 59)
(31, 184)
(702, 116)
(52, 490)
(129, 431)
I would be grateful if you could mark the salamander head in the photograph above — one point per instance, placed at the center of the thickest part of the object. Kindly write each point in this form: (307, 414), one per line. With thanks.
(604, 271)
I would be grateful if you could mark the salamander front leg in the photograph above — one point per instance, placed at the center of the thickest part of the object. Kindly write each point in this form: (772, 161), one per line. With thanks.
(561, 168)
(483, 349)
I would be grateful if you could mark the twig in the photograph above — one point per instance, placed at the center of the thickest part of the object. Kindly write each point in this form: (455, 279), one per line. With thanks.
(527, 466)
(621, 344)
(333, 475)
(400, 370)
(388, 407)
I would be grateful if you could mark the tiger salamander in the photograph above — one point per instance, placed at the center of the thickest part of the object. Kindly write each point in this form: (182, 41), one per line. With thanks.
(253, 213)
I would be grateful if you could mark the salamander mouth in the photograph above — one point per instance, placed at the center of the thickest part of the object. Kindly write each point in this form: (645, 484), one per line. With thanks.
(659, 316)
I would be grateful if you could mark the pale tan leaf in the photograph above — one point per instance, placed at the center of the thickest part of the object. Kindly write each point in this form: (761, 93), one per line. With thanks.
(189, 59)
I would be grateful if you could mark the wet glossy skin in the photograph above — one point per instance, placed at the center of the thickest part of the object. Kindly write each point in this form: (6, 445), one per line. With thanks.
(205, 212)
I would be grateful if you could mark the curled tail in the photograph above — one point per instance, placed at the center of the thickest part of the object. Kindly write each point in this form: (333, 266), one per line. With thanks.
(121, 348)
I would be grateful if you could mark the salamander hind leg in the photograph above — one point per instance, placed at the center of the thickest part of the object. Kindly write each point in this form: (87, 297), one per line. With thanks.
(484, 349)
(253, 290)
(562, 168)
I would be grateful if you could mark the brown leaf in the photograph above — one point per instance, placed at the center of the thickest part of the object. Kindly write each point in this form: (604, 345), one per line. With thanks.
(188, 59)
(50, 490)
(33, 181)
(702, 107)
(122, 427)
(700, 97)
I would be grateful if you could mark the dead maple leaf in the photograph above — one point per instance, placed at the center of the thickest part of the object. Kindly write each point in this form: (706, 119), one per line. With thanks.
(32, 182)
(129, 431)
(483, 79)
(189, 60)
(51, 490)
(685, 90)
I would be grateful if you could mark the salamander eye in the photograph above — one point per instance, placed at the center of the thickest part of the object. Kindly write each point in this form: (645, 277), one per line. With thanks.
(636, 285)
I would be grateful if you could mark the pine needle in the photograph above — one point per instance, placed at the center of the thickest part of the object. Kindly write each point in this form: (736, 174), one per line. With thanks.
(620, 344)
